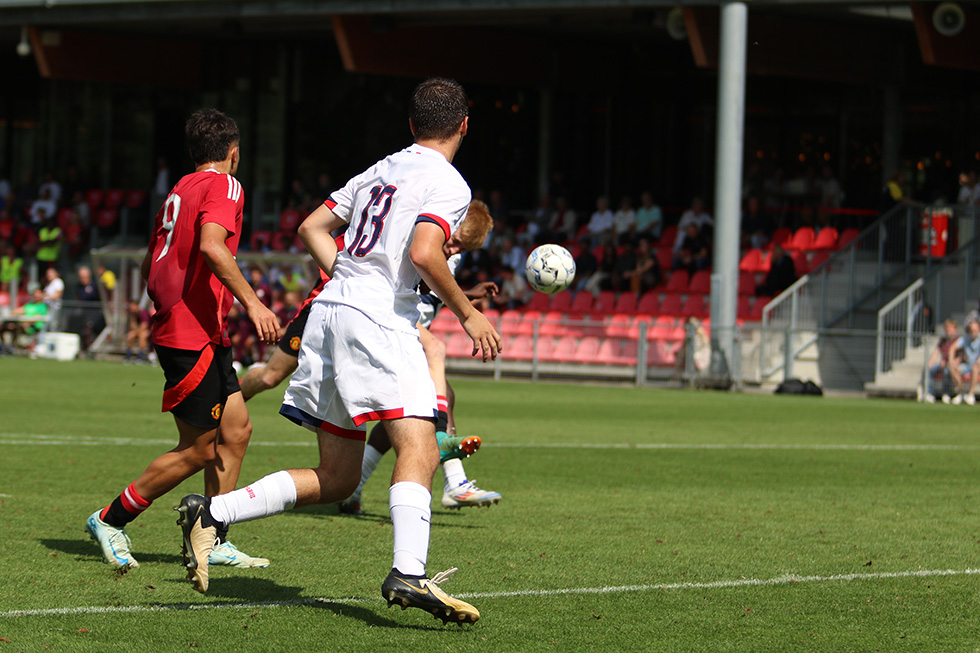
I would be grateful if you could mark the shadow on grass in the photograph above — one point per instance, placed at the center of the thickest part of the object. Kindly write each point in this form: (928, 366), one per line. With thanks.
(330, 511)
(87, 549)
(372, 618)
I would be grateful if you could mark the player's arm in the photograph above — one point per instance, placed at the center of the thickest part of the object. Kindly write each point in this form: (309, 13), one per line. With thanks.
(315, 231)
(481, 290)
(223, 265)
(427, 256)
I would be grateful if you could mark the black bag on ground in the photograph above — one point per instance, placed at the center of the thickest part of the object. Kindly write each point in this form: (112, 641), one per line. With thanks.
(798, 387)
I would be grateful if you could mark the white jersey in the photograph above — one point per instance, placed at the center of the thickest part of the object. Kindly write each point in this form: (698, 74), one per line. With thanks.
(374, 272)
(429, 303)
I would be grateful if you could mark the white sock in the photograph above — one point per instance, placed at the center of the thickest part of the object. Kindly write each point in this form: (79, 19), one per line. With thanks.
(410, 514)
(267, 496)
(372, 457)
(452, 470)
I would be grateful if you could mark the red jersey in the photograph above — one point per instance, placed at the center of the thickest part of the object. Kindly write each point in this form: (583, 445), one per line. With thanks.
(191, 303)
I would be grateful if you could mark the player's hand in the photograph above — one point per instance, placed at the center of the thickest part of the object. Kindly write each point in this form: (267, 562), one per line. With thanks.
(482, 289)
(266, 323)
(485, 337)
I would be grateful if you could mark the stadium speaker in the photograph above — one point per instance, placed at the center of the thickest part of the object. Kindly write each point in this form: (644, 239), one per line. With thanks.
(676, 27)
(948, 18)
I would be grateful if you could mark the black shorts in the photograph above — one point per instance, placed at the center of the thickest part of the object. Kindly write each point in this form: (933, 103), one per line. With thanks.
(291, 338)
(193, 392)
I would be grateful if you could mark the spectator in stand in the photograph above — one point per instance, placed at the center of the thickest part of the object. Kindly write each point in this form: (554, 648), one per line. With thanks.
(87, 320)
(291, 280)
(964, 358)
(564, 221)
(52, 187)
(86, 291)
(242, 334)
(43, 207)
(138, 334)
(298, 197)
(782, 274)
(262, 289)
(107, 279)
(290, 304)
(498, 210)
(830, 193)
(969, 189)
(649, 219)
(939, 364)
(603, 277)
(10, 267)
(84, 211)
(755, 225)
(893, 193)
(513, 290)
(538, 231)
(694, 252)
(54, 287)
(697, 216)
(646, 273)
(624, 222)
(623, 269)
(585, 264)
(601, 223)
(512, 256)
(11, 330)
(49, 243)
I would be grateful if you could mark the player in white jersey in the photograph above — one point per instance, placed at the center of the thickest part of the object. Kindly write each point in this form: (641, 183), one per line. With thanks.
(361, 359)
(458, 490)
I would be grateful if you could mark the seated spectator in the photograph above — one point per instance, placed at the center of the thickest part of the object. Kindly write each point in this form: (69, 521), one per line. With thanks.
(755, 225)
(694, 252)
(290, 279)
(624, 222)
(585, 264)
(138, 334)
(513, 290)
(259, 285)
(782, 274)
(646, 274)
(963, 360)
(12, 329)
(623, 269)
(602, 278)
(697, 216)
(600, 225)
(649, 219)
(54, 288)
(537, 229)
(107, 279)
(939, 364)
(242, 335)
(86, 290)
(564, 222)
(86, 321)
(512, 256)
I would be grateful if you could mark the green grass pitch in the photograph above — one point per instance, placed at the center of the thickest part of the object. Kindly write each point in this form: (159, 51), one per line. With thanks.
(631, 519)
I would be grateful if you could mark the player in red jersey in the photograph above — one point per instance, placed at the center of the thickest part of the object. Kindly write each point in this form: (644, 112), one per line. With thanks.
(192, 278)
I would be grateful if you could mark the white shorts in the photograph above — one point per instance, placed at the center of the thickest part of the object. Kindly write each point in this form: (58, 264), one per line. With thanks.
(351, 370)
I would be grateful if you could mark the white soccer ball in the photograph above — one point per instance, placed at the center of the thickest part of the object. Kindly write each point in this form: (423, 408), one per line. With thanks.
(549, 269)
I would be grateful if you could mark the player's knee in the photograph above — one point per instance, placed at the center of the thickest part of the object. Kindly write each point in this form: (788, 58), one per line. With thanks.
(237, 436)
(435, 350)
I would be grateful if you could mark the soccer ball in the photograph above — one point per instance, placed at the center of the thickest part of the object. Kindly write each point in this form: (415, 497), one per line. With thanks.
(549, 269)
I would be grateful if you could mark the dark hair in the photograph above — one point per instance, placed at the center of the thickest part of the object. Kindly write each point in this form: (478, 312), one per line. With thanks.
(210, 134)
(438, 108)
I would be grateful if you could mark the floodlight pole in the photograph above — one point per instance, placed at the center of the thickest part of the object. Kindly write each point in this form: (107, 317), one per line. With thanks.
(728, 186)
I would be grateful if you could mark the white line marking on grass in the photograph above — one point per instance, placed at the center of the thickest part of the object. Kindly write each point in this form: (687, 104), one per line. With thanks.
(790, 579)
(95, 440)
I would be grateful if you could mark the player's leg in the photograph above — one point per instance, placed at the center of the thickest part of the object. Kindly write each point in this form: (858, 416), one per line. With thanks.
(260, 378)
(377, 446)
(450, 446)
(410, 498)
(458, 491)
(203, 517)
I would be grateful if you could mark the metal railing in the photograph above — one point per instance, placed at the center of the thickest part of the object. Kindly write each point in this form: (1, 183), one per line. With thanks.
(857, 275)
(944, 291)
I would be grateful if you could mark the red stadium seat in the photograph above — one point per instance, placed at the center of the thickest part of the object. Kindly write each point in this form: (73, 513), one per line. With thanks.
(587, 350)
(491, 314)
(289, 220)
(551, 324)
(582, 303)
(826, 239)
(520, 348)
(665, 257)
(599, 252)
(609, 350)
(281, 241)
(746, 283)
(444, 323)
(744, 307)
(63, 216)
(619, 326)
(782, 236)
(114, 198)
(649, 303)
(510, 322)
(135, 198)
(545, 346)
(539, 302)
(800, 263)
(818, 258)
(752, 261)
(561, 302)
(634, 332)
(694, 306)
(668, 236)
(660, 353)
(700, 283)
(605, 302)
(802, 240)
(105, 218)
(678, 282)
(625, 303)
(564, 351)
(260, 240)
(628, 353)
(459, 345)
(94, 198)
(847, 236)
(528, 318)
(671, 305)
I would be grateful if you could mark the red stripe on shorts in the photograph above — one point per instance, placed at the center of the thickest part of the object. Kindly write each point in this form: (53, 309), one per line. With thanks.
(175, 395)
(394, 413)
(350, 434)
